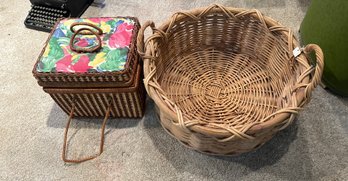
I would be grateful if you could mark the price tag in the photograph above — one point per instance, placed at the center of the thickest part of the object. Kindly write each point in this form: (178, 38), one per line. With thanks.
(296, 51)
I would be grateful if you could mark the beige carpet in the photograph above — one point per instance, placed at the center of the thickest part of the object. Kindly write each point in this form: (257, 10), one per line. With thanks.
(31, 124)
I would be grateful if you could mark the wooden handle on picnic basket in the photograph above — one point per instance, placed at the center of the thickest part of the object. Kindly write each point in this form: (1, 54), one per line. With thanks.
(85, 31)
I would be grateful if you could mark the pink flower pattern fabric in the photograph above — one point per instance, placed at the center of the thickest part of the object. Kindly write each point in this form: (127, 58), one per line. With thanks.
(116, 40)
(122, 37)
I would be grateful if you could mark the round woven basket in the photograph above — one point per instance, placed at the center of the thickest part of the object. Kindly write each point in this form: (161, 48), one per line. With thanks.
(225, 80)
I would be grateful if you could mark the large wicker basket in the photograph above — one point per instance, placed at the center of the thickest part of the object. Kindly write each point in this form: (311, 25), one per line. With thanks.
(225, 80)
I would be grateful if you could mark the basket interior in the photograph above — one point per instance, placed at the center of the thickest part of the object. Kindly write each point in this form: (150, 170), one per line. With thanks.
(226, 71)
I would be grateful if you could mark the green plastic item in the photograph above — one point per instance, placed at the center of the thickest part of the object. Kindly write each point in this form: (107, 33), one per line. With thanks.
(326, 24)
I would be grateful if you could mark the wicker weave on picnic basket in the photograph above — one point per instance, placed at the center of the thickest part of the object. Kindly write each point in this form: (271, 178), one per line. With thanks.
(225, 80)
(93, 91)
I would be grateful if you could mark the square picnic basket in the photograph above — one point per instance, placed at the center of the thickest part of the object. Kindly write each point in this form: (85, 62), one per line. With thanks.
(90, 67)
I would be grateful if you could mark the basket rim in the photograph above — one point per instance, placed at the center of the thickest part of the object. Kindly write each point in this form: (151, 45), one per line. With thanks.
(134, 87)
(218, 132)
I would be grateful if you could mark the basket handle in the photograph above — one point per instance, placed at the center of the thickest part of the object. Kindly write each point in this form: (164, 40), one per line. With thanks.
(101, 147)
(85, 31)
(140, 38)
(319, 66)
(100, 31)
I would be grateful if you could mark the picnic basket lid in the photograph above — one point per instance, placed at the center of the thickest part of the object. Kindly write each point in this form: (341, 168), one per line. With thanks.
(89, 52)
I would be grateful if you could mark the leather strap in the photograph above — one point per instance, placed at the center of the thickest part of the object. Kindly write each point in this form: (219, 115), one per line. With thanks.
(101, 147)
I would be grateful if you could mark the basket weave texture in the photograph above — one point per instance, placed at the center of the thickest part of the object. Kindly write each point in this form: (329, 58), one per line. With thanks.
(126, 102)
(225, 80)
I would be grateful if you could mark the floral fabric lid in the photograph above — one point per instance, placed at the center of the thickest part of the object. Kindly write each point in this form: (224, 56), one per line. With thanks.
(115, 40)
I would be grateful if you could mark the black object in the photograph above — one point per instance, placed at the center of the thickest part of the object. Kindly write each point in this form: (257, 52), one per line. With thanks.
(45, 13)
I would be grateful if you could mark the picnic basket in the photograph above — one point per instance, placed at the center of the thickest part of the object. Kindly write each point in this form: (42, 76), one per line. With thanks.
(225, 80)
(90, 68)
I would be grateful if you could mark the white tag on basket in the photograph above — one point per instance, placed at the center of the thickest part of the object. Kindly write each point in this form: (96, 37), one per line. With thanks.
(296, 52)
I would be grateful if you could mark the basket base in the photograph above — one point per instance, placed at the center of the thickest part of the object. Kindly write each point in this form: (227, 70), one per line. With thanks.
(226, 88)
(209, 145)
